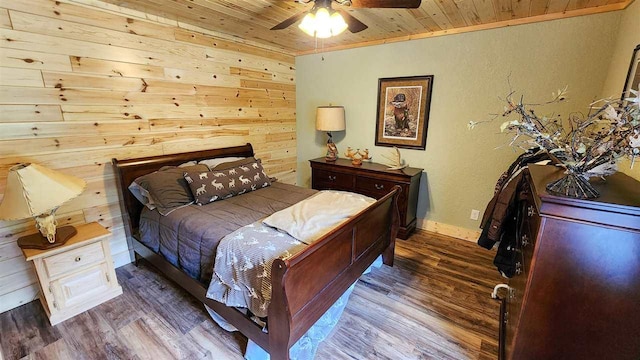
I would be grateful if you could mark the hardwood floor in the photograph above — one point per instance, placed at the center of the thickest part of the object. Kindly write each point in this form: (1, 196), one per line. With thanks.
(433, 304)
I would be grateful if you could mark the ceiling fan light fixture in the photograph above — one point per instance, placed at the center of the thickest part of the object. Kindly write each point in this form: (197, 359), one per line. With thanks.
(308, 24)
(338, 25)
(323, 24)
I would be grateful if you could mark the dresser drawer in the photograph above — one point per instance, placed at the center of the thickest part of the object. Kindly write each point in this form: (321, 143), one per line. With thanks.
(517, 286)
(373, 187)
(323, 179)
(74, 260)
(528, 230)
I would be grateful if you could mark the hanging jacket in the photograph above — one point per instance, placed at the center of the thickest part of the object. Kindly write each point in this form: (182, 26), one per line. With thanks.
(500, 218)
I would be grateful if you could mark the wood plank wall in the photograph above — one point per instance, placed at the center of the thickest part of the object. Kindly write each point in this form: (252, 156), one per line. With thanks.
(80, 85)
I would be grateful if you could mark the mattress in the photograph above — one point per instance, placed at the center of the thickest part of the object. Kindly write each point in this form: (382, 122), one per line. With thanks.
(188, 237)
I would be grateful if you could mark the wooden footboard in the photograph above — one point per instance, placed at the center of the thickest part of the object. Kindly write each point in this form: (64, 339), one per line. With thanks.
(304, 286)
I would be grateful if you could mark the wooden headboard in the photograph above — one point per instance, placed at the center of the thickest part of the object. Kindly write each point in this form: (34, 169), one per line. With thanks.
(129, 169)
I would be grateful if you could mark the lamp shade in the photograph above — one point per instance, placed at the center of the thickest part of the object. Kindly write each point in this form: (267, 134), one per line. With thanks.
(33, 190)
(330, 118)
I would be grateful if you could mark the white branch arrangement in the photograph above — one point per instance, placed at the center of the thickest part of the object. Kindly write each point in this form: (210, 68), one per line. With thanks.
(592, 143)
(590, 146)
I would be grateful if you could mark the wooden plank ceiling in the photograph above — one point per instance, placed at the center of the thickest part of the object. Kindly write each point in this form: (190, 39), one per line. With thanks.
(250, 20)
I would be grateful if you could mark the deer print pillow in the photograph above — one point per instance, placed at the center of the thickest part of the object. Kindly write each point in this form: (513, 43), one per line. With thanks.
(210, 186)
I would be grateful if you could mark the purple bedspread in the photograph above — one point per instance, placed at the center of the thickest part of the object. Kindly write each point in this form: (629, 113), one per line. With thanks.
(188, 237)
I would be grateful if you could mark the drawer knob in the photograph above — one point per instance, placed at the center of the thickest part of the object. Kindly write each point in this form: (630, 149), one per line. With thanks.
(518, 268)
(332, 177)
(530, 211)
(379, 186)
(525, 240)
(78, 258)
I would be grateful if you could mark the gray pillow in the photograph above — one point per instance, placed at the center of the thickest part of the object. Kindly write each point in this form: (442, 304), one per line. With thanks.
(210, 186)
(167, 187)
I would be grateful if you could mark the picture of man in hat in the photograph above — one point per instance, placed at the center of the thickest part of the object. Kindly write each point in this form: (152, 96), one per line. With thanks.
(400, 111)
(403, 111)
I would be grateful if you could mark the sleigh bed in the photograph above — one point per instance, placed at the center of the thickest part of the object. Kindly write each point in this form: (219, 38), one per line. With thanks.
(303, 286)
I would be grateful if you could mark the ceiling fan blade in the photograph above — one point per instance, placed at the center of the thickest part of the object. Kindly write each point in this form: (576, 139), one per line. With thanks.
(354, 25)
(289, 21)
(404, 4)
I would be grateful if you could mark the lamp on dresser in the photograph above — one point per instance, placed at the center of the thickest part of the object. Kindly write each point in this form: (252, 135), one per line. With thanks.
(36, 191)
(330, 118)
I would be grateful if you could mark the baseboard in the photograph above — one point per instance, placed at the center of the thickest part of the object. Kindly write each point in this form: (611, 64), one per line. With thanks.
(449, 230)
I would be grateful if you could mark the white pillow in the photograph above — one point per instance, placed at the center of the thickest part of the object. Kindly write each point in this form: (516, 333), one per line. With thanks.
(211, 163)
(142, 195)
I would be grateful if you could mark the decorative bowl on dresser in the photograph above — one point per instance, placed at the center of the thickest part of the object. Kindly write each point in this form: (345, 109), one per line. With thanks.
(576, 292)
(76, 276)
(373, 180)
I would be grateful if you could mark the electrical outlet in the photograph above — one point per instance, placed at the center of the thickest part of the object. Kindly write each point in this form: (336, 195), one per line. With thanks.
(474, 214)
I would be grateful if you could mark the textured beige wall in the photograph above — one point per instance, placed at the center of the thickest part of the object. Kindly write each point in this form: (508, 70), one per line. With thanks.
(627, 39)
(471, 72)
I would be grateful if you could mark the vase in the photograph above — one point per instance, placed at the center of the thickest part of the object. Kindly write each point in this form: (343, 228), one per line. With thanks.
(574, 186)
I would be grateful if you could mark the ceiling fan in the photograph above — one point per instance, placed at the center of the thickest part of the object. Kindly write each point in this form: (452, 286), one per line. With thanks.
(323, 21)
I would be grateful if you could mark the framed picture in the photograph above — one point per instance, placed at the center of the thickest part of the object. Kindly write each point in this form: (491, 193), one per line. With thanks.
(633, 76)
(403, 111)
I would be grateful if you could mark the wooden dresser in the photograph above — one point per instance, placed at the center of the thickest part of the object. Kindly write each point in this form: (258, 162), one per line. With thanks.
(373, 180)
(576, 292)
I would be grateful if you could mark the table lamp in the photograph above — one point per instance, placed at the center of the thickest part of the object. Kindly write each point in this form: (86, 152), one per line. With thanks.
(330, 118)
(36, 191)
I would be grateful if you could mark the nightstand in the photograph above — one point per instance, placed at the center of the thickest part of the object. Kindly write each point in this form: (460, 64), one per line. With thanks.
(76, 276)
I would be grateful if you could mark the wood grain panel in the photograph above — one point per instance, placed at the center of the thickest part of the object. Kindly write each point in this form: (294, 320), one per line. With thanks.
(19, 297)
(85, 15)
(105, 67)
(217, 78)
(539, 7)
(94, 34)
(80, 85)
(17, 280)
(5, 21)
(30, 113)
(557, 6)
(212, 42)
(20, 77)
(25, 59)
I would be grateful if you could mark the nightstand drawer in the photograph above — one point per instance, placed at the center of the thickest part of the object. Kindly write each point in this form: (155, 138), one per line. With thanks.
(374, 187)
(77, 288)
(323, 179)
(74, 260)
